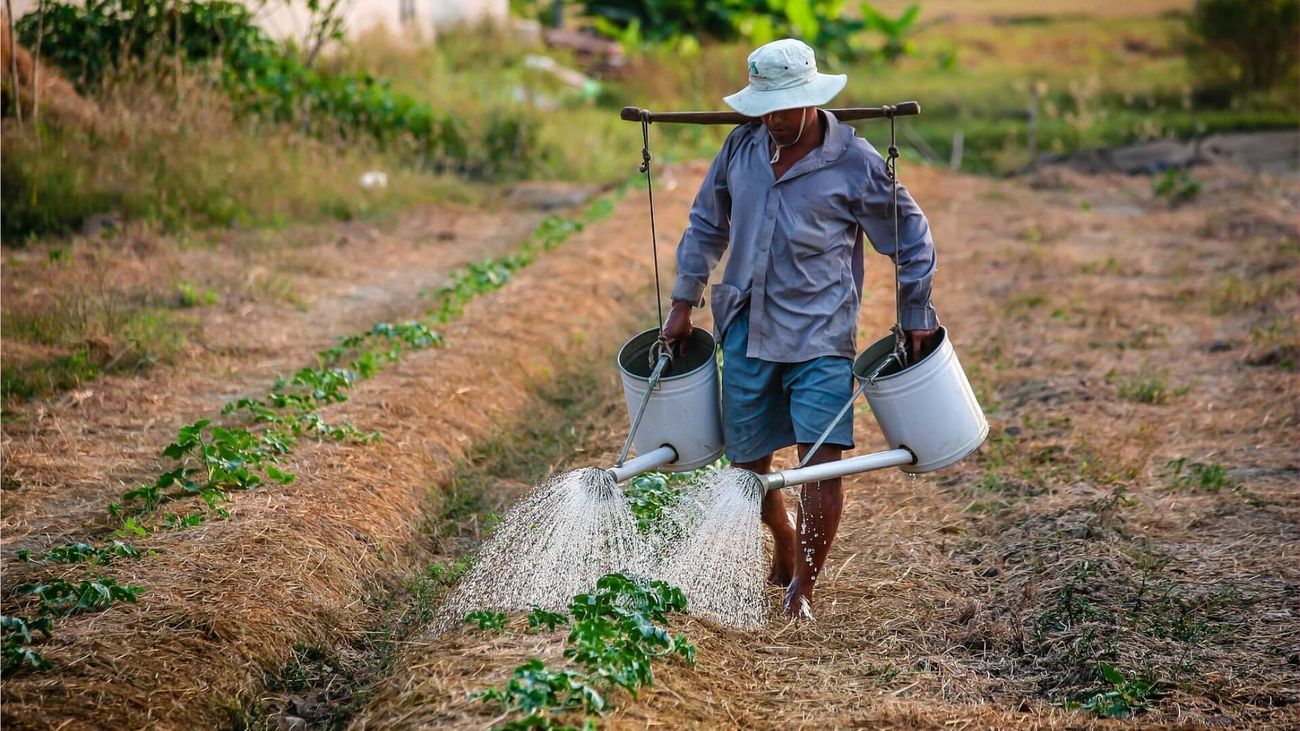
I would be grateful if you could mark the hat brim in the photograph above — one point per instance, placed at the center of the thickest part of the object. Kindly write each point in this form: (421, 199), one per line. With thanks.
(754, 103)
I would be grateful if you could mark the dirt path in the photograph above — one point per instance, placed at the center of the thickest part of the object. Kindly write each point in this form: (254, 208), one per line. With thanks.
(1107, 336)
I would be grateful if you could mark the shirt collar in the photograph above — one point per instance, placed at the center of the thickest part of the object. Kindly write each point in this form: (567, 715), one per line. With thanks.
(836, 141)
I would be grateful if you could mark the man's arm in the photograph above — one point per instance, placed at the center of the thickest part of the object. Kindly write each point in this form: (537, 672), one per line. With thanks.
(702, 244)
(916, 255)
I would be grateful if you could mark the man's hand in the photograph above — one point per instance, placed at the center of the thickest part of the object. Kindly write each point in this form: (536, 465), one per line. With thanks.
(920, 343)
(679, 327)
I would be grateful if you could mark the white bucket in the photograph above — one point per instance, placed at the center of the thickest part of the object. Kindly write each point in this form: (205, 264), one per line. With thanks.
(684, 410)
(927, 408)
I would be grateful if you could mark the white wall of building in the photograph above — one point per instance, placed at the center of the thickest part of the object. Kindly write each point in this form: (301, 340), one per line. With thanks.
(426, 17)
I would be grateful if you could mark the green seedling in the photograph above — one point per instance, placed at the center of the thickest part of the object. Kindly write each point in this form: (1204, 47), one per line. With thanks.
(487, 620)
(1146, 387)
(131, 527)
(614, 636)
(534, 689)
(82, 553)
(1198, 476)
(181, 522)
(16, 646)
(311, 387)
(62, 598)
(437, 578)
(1125, 697)
(539, 618)
(648, 495)
(613, 640)
(1175, 186)
(188, 295)
(413, 335)
(884, 674)
(1070, 604)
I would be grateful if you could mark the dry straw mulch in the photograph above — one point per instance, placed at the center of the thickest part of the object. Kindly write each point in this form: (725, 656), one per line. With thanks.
(230, 600)
(988, 595)
(66, 457)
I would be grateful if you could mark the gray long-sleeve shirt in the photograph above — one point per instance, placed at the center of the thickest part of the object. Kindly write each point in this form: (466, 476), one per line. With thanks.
(797, 246)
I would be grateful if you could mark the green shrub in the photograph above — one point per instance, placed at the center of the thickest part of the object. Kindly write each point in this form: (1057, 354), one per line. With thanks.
(103, 41)
(822, 23)
(1254, 41)
(96, 41)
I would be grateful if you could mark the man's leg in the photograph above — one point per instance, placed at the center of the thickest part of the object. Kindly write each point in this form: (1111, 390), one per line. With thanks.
(818, 520)
(777, 521)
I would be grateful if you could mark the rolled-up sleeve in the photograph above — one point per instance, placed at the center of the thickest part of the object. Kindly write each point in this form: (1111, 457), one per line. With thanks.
(916, 258)
(707, 232)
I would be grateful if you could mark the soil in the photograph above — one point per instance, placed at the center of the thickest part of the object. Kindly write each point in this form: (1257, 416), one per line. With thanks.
(1107, 335)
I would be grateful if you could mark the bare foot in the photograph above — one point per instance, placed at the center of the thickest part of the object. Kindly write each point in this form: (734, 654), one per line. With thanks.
(781, 574)
(797, 601)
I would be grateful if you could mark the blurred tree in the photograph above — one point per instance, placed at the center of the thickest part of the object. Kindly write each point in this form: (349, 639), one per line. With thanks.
(1253, 41)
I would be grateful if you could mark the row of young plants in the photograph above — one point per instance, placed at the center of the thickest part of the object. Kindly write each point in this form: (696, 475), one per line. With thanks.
(615, 634)
(208, 460)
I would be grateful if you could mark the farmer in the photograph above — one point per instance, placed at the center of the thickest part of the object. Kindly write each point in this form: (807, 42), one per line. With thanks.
(790, 196)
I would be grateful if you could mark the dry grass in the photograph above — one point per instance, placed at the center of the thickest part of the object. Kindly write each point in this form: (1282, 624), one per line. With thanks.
(297, 565)
(176, 155)
(279, 299)
(959, 599)
(988, 595)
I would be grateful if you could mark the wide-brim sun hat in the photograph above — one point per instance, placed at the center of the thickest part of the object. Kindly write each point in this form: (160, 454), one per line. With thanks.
(783, 75)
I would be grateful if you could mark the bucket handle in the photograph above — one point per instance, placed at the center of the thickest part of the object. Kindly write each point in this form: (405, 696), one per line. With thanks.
(665, 357)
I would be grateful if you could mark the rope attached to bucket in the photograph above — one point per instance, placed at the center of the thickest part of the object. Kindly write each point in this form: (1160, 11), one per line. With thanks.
(650, 195)
(660, 355)
(891, 169)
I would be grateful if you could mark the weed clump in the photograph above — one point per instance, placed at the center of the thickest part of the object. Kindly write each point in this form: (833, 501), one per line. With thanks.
(1198, 476)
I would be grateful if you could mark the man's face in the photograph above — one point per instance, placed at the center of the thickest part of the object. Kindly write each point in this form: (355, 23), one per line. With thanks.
(784, 125)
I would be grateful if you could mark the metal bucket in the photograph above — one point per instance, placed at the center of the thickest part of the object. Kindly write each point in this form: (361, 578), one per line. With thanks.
(684, 411)
(927, 408)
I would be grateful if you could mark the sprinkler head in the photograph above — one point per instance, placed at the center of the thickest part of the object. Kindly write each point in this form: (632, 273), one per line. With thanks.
(759, 484)
(597, 482)
(765, 483)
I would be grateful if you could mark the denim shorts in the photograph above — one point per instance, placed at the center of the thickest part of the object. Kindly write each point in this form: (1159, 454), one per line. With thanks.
(768, 406)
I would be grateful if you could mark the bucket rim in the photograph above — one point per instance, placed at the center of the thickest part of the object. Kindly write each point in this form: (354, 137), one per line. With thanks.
(870, 358)
(700, 338)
